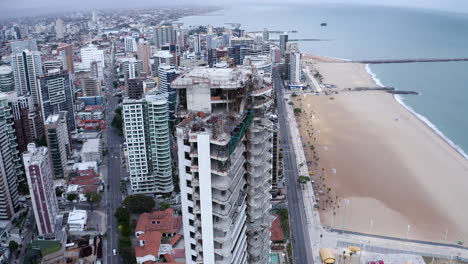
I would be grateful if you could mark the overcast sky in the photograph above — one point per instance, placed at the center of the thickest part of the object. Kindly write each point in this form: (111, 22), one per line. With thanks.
(9, 7)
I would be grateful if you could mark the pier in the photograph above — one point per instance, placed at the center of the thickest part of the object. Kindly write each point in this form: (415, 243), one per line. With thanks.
(403, 60)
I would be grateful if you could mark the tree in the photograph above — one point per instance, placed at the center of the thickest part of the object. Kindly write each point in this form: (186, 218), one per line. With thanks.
(23, 188)
(58, 191)
(138, 204)
(164, 206)
(13, 246)
(116, 84)
(72, 197)
(92, 198)
(303, 180)
(123, 215)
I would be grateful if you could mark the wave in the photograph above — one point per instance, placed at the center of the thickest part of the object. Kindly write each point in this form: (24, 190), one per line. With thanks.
(423, 119)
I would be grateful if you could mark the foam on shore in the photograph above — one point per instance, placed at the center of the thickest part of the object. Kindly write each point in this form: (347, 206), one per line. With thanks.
(426, 121)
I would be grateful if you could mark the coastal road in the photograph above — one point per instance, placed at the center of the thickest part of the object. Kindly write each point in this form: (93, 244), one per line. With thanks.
(114, 197)
(302, 249)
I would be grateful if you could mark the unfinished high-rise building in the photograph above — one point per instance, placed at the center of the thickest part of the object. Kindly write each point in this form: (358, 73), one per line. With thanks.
(224, 154)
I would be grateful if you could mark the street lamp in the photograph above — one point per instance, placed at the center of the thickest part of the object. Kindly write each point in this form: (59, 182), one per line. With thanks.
(371, 225)
(407, 231)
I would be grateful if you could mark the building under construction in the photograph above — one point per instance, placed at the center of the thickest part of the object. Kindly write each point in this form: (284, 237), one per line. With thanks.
(224, 153)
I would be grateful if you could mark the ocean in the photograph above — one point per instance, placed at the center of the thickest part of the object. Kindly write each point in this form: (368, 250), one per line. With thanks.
(375, 32)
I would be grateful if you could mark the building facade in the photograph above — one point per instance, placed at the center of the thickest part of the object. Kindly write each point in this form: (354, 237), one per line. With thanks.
(10, 162)
(164, 35)
(146, 131)
(41, 187)
(65, 51)
(58, 142)
(27, 66)
(56, 95)
(224, 153)
(7, 81)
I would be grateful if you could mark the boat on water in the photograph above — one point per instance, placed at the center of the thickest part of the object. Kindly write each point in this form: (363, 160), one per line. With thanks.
(323, 24)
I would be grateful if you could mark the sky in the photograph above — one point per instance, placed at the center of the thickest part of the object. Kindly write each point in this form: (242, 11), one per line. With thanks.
(22, 7)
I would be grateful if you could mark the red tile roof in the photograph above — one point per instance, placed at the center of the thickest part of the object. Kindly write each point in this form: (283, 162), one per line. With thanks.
(169, 258)
(175, 239)
(276, 231)
(162, 221)
(152, 242)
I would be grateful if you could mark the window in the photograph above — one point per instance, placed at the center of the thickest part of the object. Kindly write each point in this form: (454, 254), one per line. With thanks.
(190, 210)
(192, 234)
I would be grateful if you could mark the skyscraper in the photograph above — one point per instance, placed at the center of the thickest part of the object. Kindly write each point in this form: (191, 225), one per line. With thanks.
(283, 38)
(91, 87)
(59, 30)
(164, 35)
(147, 139)
(224, 153)
(52, 64)
(89, 54)
(65, 51)
(196, 44)
(41, 187)
(10, 162)
(58, 142)
(166, 75)
(7, 82)
(295, 67)
(130, 44)
(22, 108)
(265, 35)
(26, 67)
(162, 57)
(135, 88)
(144, 56)
(56, 95)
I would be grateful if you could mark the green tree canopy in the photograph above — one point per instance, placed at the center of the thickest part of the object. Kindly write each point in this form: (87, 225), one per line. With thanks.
(13, 246)
(138, 204)
(72, 197)
(92, 198)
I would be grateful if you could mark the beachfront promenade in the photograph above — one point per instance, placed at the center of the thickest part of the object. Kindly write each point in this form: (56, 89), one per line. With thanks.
(321, 236)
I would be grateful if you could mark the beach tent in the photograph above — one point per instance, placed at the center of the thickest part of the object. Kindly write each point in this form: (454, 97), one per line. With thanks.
(327, 255)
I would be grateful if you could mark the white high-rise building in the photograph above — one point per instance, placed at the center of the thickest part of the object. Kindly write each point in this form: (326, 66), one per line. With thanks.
(196, 44)
(26, 68)
(7, 81)
(41, 187)
(59, 29)
(224, 156)
(295, 67)
(146, 130)
(89, 54)
(162, 57)
(130, 44)
(164, 35)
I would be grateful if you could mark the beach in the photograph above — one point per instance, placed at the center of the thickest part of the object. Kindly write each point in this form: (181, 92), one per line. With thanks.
(377, 167)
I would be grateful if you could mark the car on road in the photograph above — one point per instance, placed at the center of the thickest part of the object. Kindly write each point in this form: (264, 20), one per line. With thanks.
(371, 262)
(380, 261)
(114, 252)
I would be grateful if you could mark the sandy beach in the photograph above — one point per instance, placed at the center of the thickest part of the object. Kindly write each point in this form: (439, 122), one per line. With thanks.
(378, 168)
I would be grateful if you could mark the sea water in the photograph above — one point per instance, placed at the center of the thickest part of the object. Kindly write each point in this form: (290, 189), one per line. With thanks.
(374, 32)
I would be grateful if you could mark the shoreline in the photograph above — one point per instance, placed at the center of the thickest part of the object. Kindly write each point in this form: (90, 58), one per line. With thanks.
(421, 117)
(408, 108)
(400, 172)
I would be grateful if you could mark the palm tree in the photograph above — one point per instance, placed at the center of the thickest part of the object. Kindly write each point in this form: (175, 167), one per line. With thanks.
(303, 180)
(350, 256)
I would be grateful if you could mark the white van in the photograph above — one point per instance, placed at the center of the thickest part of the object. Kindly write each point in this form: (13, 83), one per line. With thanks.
(114, 252)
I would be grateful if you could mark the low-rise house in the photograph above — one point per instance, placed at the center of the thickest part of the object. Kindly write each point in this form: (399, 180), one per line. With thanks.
(166, 222)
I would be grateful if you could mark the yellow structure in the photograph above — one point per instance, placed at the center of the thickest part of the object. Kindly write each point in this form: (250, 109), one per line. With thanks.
(327, 255)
